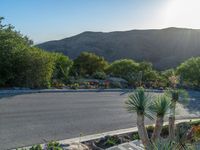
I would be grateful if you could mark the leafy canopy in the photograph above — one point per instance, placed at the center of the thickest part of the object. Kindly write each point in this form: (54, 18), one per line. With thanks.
(88, 63)
(24, 65)
(190, 71)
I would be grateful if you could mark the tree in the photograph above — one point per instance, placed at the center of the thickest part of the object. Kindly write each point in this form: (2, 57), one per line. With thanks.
(124, 68)
(22, 64)
(12, 47)
(32, 68)
(38, 70)
(99, 75)
(160, 107)
(140, 102)
(62, 67)
(190, 71)
(88, 63)
(148, 74)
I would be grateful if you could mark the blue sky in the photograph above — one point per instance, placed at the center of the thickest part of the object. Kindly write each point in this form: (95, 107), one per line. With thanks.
(44, 20)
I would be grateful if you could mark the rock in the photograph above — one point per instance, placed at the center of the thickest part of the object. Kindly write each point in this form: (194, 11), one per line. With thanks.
(76, 146)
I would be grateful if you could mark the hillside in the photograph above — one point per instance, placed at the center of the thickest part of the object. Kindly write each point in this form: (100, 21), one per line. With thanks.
(165, 48)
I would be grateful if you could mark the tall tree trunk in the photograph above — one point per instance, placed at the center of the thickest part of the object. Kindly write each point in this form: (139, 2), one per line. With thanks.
(175, 96)
(142, 131)
(158, 128)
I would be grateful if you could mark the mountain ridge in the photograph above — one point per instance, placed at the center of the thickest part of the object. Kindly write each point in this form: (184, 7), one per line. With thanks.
(165, 48)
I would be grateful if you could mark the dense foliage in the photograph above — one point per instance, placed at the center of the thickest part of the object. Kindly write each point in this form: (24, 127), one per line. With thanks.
(87, 64)
(62, 67)
(24, 65)
(124, 68)
(137, 74)
(189, 72)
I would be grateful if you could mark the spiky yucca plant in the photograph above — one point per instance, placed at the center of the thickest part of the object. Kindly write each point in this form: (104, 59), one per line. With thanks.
(160, 107)
(139, 102)
(176, 96)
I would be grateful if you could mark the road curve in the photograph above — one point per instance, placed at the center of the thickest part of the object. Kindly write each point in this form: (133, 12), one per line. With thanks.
(34, 118)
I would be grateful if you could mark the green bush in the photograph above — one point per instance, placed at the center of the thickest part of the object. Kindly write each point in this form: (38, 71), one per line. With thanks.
(112, 140)
(87, 64)
(99, 75)
(62, 67)
(22, 64)
(194, 123)
(53, 145)
(189, 71)
(124, 68)
(36, 147)
(74, 86)
(135, 136)
(115, 84)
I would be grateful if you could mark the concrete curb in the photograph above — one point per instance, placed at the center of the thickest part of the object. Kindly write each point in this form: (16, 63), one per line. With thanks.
(29, 91)
(110, 133)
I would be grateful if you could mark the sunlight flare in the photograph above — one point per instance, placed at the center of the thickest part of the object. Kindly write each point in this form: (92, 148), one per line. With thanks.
(183, 12)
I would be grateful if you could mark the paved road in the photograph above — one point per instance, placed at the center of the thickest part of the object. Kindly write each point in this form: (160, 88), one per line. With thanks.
(32, 118)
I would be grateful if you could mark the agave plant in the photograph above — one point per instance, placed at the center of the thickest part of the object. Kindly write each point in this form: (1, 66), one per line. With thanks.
(139, 102)
(160, 107)
(165, 144)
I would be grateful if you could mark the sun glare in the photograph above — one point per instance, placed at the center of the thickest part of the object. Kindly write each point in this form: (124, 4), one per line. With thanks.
(183, 12)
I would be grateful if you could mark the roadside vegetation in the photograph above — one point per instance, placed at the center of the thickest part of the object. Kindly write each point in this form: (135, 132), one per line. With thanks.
(24, 65)
(187, 138)
(182, 136)
(185, 135)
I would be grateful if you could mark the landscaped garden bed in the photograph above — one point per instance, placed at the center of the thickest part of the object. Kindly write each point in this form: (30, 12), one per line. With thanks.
(187, 136)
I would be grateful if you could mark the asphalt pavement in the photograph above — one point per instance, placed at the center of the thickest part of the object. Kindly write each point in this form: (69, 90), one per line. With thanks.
(28, 119)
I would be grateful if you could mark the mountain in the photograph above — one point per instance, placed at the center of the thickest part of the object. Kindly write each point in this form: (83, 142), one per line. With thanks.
(165, 48)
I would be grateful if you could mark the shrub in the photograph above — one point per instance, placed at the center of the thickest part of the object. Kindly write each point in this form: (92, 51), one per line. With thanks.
(74, 86)
(99, 75)
(53, 145)
(57, 84)
(88, 63)
(197, 133)
(36, 147)
(22, 64)
(112, 140)
(195, 123)
(115, 84)
(135, 136)
(124, 68)
(189, 71)
(181, 133)
(62, 67)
